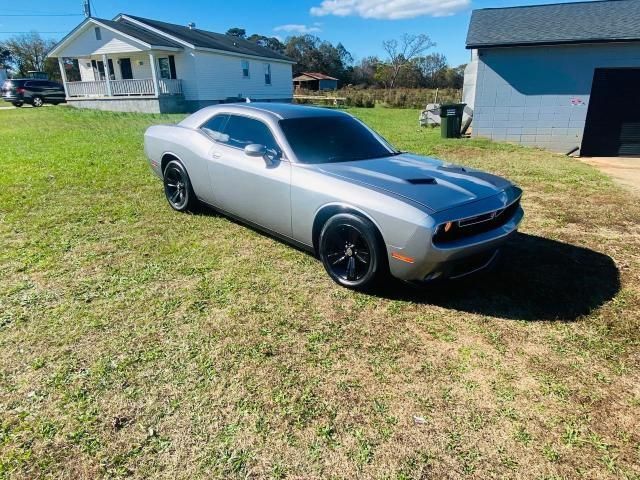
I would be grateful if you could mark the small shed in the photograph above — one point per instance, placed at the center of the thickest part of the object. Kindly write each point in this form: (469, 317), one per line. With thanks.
(315, 81)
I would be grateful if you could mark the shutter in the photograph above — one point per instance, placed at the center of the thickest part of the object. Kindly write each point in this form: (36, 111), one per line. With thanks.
(172, 66)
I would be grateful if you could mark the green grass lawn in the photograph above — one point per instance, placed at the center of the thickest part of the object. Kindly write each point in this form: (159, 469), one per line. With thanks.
(139, 342)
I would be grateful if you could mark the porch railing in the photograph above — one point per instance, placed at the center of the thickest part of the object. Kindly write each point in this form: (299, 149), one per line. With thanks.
(119, 88)
(170, 87)
(137, 86)
(87, 89)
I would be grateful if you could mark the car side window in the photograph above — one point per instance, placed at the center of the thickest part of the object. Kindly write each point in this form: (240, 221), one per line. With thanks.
(214, 127)
(243, 131)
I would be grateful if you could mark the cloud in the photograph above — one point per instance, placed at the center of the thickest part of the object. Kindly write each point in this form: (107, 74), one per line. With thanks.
(389, 9)
(298, 28)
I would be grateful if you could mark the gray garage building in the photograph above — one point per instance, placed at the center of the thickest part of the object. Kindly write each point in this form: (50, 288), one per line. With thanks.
(560, 76)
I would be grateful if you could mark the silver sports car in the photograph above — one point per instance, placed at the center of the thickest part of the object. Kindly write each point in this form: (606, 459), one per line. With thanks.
(324, 181)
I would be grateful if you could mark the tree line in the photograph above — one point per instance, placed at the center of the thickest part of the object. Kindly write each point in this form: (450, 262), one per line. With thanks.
(406, 63)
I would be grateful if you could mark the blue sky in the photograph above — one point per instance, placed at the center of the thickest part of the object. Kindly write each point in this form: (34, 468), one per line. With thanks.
(361, 25)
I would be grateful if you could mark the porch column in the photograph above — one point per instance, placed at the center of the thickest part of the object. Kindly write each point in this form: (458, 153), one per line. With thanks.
(154, 74)
(107, 74)
(63, 74)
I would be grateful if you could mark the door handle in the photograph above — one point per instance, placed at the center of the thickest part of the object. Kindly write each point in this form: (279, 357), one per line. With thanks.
(216, 154)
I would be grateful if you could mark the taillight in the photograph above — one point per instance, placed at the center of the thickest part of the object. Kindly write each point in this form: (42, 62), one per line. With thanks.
(20, 90)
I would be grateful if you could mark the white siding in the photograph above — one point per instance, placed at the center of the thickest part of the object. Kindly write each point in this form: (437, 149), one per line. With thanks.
(186, 71)
(220, 76)
(86, 44)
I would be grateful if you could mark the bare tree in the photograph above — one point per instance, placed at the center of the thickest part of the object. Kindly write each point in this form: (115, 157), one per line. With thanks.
(401, 53)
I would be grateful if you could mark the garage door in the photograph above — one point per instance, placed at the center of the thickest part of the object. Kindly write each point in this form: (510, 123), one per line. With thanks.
(612, 128)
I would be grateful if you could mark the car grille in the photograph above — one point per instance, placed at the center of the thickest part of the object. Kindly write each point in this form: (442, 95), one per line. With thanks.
(468, 227)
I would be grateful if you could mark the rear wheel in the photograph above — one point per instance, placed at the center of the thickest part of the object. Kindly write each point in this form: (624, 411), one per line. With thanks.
(351, 252)
(177, 187)
(37, 101)
(17, 104)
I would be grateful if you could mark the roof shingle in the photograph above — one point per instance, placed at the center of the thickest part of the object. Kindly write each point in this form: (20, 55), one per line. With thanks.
(206, 39)
(562, 23)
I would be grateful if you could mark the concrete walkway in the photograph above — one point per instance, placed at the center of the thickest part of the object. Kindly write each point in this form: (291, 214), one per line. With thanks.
(626, 171)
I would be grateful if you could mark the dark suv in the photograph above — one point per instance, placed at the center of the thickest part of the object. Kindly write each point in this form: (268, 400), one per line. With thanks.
(34, 92)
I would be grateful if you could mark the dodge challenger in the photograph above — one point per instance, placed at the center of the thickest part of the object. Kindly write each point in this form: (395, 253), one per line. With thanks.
(324, 181)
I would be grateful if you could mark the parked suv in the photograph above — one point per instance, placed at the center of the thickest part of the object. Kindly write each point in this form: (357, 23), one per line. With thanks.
(34, 92)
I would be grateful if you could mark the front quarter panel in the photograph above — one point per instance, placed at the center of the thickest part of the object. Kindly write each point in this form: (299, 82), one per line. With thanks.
(403, 226)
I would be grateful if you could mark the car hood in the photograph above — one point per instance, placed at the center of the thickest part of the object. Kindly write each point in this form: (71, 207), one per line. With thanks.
(427, 181)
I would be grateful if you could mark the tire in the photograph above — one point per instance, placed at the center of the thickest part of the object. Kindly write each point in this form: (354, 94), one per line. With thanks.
(37, 102)
(177, 187)
(352, 252)
(17, 104)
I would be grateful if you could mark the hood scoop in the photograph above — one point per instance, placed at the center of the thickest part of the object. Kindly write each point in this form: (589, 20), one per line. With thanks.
(452, 168)
(421, 181)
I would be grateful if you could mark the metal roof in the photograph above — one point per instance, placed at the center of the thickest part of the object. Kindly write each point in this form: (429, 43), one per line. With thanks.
(306, 76)
(205, 39)
(552, 24)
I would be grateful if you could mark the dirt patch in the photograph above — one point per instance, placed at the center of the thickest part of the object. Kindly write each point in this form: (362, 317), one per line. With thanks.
(624, 170)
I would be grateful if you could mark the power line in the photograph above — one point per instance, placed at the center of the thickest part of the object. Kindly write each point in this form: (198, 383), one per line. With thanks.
(41, 15)
(36, 31)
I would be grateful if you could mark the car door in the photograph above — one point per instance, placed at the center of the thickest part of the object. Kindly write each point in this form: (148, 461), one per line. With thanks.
(55, 92)
(255, 189)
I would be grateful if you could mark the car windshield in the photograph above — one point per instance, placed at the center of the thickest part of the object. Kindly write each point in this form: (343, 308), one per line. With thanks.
(335, 138)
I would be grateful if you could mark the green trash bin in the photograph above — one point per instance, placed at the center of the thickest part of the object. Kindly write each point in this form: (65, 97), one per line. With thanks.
(451, 119)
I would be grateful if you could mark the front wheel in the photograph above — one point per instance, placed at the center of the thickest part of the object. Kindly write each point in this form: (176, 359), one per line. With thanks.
(351, 252)
(37, 102)
(177, 187)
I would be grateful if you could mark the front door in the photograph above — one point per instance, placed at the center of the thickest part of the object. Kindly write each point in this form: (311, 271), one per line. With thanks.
(125, 69)
(252, 188)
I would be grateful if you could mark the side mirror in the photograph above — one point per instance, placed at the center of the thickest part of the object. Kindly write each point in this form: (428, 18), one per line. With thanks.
(255, 150)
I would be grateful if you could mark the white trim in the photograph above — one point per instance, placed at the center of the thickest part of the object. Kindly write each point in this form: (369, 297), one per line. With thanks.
(63, 74)
(107, 74)
(154, 30)
(154, 73)
(81, 28)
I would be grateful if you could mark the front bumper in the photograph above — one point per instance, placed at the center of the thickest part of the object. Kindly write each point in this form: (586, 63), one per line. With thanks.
(454, 259)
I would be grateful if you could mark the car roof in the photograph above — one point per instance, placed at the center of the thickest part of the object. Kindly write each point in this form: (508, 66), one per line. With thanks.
(273, 110)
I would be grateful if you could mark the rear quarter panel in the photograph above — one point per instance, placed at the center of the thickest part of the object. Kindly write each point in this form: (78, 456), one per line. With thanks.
(190, 146)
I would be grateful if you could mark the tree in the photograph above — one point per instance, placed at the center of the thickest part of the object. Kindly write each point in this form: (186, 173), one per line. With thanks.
(5, 57)
(431, 68)
(29, 52)
(237, 32)
(314, 55)
(268, 42)
(364, 72)
(402, 53)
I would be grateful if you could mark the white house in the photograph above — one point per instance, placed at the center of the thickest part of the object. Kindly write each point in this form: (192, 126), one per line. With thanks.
(135, 64)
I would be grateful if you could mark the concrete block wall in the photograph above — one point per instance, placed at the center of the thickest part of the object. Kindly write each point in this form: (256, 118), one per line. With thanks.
(538, 96)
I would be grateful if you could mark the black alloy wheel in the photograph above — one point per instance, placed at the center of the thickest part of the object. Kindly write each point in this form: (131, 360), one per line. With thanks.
(177, 187)
(350, 251)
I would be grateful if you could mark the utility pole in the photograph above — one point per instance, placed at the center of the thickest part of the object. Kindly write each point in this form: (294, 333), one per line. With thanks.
(86, 6)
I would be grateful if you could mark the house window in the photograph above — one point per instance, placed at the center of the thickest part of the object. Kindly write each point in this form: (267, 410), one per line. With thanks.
(245, 68)
(267, 74)
(98, 33)
(167, 67)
